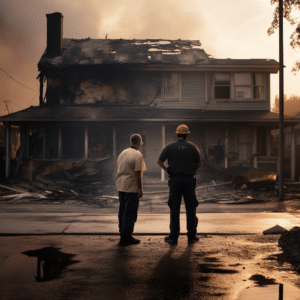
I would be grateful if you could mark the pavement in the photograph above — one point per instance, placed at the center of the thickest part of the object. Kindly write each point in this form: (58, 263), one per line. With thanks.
(31, 219)
(68, 251)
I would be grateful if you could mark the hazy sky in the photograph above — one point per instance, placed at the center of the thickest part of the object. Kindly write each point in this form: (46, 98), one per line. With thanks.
(226, 29)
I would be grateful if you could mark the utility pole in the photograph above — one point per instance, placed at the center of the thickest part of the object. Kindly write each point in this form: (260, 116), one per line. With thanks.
(281, 104)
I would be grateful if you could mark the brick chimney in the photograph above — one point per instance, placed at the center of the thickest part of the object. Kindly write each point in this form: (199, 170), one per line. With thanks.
(54, 34)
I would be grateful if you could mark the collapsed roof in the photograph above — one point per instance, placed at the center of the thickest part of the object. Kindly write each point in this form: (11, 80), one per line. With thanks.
(88, 52)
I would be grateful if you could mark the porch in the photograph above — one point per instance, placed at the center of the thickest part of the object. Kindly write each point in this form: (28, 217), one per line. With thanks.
(70, 136)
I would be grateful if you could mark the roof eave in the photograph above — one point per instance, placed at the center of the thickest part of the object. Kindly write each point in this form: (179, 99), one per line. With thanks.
(169, 67)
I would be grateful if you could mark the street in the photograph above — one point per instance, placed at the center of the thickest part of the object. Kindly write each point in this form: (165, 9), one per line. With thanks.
(72, 252)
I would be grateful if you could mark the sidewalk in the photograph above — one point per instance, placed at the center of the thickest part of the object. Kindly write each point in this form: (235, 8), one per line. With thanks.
(31, 219)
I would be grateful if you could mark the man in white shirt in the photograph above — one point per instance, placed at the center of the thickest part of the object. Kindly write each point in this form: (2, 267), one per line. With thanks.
(131, 166)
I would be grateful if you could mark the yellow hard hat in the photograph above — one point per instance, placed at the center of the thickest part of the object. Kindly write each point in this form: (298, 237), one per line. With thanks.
(182, 129)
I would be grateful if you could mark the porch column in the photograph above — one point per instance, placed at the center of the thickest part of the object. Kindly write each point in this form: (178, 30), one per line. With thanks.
(254, 147)
(59, 142)
(7, 149)
(27, 141)
(293, 154)
(268, 141)
(86, 142)
(163, 144)
(226, 146)
(115, 141)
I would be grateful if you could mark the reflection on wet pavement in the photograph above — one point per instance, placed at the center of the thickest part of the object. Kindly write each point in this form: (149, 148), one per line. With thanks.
(271, 292)
(17, 269)
(50, 262)
(217, 268)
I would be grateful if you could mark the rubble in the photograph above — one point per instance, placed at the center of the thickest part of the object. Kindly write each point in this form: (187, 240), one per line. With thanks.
(94, 185)
(290, 244)
(254, 179)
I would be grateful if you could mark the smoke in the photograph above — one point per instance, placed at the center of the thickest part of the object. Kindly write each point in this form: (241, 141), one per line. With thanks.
(23, 41)
(23, 34)
(151, 19)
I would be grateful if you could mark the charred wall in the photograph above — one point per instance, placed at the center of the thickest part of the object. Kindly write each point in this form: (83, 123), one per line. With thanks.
(105, 87)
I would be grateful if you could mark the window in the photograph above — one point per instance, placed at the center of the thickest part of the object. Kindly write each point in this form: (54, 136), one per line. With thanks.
(171, 85)
(100, 141)
(193, 87)
(222, 86)
(262, 141)
(52, 134)
(249, 86)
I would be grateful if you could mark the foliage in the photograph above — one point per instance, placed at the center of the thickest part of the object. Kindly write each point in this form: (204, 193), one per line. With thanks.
(289, 6)
(291, 105)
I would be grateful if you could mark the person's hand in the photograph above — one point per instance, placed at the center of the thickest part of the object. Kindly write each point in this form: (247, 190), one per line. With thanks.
(140, 193)
(169, 172)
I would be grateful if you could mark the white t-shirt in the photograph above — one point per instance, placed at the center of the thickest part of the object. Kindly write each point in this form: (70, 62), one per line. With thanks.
(129, 161)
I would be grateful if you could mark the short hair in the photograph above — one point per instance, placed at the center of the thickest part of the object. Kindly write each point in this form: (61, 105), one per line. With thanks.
(135, 138)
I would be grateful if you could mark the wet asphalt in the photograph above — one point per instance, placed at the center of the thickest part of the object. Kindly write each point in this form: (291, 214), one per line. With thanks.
(71, 251)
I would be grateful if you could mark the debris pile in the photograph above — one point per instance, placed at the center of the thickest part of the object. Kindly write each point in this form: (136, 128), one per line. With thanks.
(254, 179)
(215, 172)
(85, 185)
(290, 243)
(94, 184)
(223, 193)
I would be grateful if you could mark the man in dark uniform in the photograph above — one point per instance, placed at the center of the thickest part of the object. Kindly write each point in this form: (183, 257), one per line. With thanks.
(183, 160)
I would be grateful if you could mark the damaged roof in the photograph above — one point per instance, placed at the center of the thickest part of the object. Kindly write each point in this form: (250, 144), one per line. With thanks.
(120, 51)
(151, 114)
(150, 52)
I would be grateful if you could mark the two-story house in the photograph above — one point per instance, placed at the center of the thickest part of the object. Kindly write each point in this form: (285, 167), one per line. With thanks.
(95, 93)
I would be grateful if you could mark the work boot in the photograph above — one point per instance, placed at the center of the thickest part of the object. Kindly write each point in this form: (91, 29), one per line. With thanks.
(193, 239)
(170, 240)
(128, 240)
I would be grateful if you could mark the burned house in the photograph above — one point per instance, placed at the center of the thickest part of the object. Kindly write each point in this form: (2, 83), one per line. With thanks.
(95, 93)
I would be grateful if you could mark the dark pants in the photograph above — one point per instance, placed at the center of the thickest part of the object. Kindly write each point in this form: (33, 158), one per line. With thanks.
(129, 204)
(182, 186)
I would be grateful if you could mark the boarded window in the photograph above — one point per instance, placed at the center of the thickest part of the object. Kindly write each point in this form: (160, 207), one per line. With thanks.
(72, 142)
(100, 141)
(171, 85)
(192, 86)
(222, 86)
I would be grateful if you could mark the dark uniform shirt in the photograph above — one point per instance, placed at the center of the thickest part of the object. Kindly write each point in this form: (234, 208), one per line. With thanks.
(182, 157)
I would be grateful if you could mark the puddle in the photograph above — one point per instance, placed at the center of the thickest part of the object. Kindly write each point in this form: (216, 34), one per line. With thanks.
(270, 292)
(268, 289)
(50, 262)
(34, 266)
